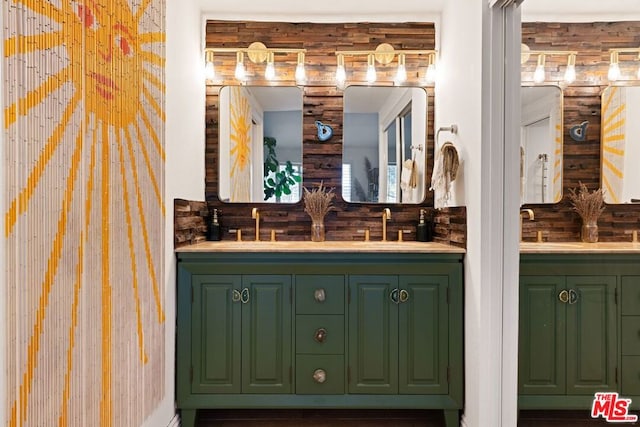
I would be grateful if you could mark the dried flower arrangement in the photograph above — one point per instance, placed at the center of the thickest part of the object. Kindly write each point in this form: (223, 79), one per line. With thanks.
(589, 205)
(317, 202)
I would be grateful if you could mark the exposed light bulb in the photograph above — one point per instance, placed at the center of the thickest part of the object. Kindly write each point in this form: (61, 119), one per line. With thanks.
(209, 71)
(209, 67)
(371, 70)
(301, 75)
(431, 74)
(614, 72)
(570, 72)
(539, 75)
(401, 73)
(270, 70)
(341, 73)
(614, 68)
(241, 73)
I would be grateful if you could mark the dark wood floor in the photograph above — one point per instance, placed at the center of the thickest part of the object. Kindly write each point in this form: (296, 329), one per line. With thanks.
(382, 418)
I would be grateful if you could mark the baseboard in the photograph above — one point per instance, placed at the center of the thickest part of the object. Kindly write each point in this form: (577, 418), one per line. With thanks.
(175, 421)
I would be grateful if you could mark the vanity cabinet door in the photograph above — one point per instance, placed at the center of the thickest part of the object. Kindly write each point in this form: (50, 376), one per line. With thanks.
(266, 334)
(241, 334)
(423, 335)
(373, 335)
(542, 338)
(567, 339)
(591, 334)
(216, 332)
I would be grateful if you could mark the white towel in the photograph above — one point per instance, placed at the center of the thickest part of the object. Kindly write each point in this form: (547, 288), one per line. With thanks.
(406, 175)
(443, 175)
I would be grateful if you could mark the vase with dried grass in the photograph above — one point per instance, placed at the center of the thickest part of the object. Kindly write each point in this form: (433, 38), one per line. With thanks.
(317, 203)
(589, 206)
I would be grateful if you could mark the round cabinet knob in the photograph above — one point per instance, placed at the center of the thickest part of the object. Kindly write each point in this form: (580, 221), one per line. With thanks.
(319, 376)
(320, 335)
(320, 295)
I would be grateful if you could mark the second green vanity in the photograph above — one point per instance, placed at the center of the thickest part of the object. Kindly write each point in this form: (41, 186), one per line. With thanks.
(579, 325)
(315, 328)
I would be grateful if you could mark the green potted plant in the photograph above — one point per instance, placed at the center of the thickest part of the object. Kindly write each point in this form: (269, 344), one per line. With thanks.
(284, 179)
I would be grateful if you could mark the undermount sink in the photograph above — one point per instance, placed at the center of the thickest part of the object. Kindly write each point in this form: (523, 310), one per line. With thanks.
(326, 246)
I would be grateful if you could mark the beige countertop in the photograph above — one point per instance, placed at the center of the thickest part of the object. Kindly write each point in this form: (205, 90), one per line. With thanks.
(580, 248)
(327, 246)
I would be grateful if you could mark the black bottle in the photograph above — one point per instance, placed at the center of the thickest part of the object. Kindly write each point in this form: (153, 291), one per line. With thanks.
(213, 231)
(423, 229)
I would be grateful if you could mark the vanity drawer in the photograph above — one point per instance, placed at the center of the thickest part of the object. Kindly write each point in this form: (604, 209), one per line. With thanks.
(319, 294)
(329, 366)
(631, 335)
(630, 298)
(319, 334)
(630, 376)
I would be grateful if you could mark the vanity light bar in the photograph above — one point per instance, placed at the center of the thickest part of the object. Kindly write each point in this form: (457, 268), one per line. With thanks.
(541, 55)
(614, 59)
(257, 53)
(384, 54)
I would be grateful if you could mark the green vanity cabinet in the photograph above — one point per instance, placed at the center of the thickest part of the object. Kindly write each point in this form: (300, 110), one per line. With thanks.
(398, 334)
(241, 327)
(572, 340)
(319, 330)
(567, 334)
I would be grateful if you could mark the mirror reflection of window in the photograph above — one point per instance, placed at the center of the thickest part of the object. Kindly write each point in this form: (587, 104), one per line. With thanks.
(381, 125)
(541, 144)
(260, 144)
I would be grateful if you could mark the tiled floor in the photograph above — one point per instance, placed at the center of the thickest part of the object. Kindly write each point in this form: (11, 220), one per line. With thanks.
(396, 418)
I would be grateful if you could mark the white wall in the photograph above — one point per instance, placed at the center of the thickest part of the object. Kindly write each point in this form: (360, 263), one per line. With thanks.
(184, 169)
(458, 101)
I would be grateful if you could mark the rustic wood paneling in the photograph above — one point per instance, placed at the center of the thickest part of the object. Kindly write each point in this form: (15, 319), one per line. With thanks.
(581, 103)
(322, 161)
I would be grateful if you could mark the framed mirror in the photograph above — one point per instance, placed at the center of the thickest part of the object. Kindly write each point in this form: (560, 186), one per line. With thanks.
(541, 139)
(384, 144)
(620, 144)
(260, 140)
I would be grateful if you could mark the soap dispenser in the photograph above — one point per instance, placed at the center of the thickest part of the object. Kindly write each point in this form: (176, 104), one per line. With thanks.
(213, 231)
(423, 229)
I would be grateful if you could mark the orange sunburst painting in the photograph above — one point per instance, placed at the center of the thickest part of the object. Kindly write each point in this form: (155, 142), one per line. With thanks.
(84, 128)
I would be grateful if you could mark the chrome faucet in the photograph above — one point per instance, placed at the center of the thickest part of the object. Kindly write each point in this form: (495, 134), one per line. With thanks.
(529, 212)
(256, 215)
(386, 214)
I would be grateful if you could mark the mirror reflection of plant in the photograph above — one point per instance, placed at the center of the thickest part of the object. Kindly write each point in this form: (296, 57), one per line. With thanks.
(282, 180)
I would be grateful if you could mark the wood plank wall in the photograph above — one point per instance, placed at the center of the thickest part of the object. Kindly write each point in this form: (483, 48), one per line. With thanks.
(322, 101)
(581, 103)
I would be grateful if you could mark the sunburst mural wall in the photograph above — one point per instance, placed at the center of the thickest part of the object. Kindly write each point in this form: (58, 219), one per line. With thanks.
(84, 120)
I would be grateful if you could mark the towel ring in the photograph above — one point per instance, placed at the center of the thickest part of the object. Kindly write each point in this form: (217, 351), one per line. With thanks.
(453, 129)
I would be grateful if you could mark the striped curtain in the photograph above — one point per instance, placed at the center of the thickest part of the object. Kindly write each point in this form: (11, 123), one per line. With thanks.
(83, 99)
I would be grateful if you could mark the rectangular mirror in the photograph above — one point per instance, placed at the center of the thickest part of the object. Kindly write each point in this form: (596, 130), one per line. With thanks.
(384, 144)
(541, 140)
(620, 144)
(260, 134)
